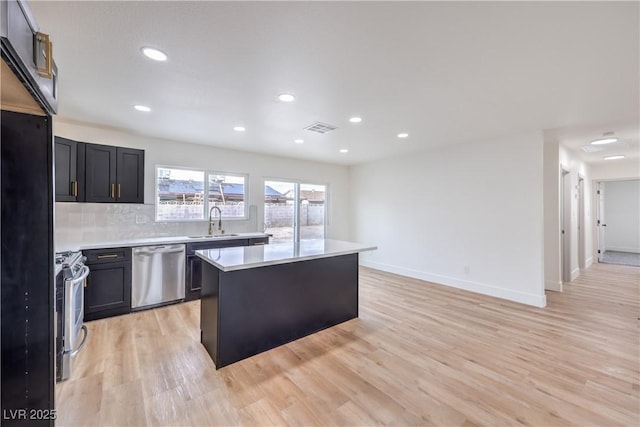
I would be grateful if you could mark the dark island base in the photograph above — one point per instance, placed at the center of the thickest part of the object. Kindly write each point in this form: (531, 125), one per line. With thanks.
(246, 312)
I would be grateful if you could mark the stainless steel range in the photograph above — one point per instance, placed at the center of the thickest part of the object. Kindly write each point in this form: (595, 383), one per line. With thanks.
(71, 278)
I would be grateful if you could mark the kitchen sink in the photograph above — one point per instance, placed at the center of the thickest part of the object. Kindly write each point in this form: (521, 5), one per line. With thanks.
(215, 236)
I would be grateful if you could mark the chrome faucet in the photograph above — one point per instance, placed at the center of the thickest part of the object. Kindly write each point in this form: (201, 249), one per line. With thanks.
(211, 223)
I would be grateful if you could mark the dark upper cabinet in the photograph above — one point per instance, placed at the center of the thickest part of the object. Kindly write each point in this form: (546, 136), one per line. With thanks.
(113, 174)
(28, 52)
(66, 170)
(100, 173)
(129, 175)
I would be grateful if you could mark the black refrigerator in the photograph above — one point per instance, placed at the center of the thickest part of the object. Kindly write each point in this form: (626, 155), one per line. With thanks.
(28, 352)
(27, 290)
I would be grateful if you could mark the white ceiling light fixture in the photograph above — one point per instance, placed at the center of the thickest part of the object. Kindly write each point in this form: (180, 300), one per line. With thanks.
(403, 135)
(142, 108)
(344, 150)
(239, 128)
(155, 54)
(616, 157)
(607, 138)
(355, 119)
(603, 141)
(286, 97)
(299, 141)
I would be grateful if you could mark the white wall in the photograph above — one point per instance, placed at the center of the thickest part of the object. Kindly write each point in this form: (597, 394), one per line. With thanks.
(468, 216)
(616, 170)
(552, 198)
(622, 213)
(118, 221)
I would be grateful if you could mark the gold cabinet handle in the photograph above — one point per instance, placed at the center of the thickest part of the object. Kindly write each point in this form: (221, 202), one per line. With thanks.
(113, 191)
(47, 70)
(107, 256)
(74, 185)
(119, 192)
(258, 243)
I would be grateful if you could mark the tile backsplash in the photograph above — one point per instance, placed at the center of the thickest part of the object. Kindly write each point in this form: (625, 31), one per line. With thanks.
(92, 223)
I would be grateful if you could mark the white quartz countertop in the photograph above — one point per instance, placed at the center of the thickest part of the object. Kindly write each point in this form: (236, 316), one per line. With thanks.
(160, 241)
(240, 258)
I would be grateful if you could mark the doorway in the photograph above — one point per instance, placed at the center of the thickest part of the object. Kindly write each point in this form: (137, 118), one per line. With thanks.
(618, 228)
(294, 211)
(565, 225)
(581, 226)
(601, 223)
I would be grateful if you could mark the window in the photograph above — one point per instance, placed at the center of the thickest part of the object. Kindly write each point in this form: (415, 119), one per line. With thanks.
(188, 195)
(294, 211)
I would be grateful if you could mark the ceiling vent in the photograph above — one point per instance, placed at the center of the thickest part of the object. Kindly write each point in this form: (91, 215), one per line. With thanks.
(320, 127)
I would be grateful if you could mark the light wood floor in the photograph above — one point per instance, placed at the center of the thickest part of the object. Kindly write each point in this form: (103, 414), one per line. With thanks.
(420, 354)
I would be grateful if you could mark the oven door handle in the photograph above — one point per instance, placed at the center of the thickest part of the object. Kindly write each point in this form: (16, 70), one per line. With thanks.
(83, 275)
(84, 340)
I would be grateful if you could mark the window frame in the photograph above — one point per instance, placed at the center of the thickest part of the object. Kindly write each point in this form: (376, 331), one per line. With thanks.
(296, 204)
(206, 207)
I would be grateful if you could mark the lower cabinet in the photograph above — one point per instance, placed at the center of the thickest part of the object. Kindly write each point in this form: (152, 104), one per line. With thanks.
(193, 278)
(108, 290)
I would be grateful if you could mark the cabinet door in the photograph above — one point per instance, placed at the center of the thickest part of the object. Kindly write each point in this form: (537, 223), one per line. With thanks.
(108, 291)
(130, 175)
(66, 155)
(24, 51)
(100, 173)
(258, 241)
(28, 296)
(193, 278)
(193, 275)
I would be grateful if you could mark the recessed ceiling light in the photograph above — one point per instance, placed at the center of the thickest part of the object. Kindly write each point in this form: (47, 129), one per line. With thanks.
(603, 141)
(155, 54)
(286, 97)
(344, 150)
(355, 119)
(142, 108)
(239, 128)
(403, 135)
(616, 157)
(299, 141)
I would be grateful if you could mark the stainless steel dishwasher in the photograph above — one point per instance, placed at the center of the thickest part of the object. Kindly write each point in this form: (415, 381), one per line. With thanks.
(158, 275)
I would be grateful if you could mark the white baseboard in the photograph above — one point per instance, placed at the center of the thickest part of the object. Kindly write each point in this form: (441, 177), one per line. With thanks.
(481, 288)
(623, 249)
(552, 285)
(588, 262)
(575, 273)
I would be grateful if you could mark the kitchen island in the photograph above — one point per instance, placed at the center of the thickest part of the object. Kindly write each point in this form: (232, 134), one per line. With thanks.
(259, 297)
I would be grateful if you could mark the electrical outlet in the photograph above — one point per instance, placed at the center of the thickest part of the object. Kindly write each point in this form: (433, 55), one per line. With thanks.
(141, 219)
(466, 269)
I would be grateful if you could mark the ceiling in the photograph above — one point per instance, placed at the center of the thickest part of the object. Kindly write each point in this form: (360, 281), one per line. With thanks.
(444, 73)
